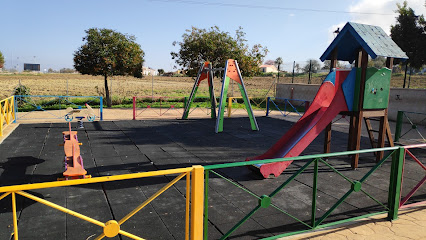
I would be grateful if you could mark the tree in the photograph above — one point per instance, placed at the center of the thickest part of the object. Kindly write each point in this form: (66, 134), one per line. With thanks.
(67, 70)
(328, 62)
(278, 63)
(409, 33)
(160, 71)
(216, 46)
(1, 60)
(297, 67)
(378, 62)
(312, 65)
(109, 53)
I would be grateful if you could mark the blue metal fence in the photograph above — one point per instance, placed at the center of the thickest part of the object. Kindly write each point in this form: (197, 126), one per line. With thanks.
(290, 105)
(34, 103)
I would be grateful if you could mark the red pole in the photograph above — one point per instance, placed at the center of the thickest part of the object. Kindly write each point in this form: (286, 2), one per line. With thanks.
(134, 108)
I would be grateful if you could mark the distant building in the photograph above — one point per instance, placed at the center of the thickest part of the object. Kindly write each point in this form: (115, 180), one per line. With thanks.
(31, 67)
(179, 72)
(268, 69)
(147, 71)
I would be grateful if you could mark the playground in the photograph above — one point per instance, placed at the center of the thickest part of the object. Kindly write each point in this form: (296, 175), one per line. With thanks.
(190, 171)
(29, 155)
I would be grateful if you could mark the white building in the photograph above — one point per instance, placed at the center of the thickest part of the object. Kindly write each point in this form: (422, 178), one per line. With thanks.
(147, 71)
(268, 69)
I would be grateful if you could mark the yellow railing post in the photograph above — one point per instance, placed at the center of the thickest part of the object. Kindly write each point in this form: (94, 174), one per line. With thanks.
(7, 112)
(197, 202)
(230, 106)
(15, 219)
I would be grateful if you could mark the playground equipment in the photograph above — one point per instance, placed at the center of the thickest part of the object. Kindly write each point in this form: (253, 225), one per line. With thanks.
(81, 114)
(74, 168)
(205, 72)
(361, 93)
(231, 72)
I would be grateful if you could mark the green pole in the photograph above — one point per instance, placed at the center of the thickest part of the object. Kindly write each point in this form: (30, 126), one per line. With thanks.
(253, 122)
(222, 103)
(395, 183)
(314, 193)
(188, 103)
(206, 204)
(398, 127)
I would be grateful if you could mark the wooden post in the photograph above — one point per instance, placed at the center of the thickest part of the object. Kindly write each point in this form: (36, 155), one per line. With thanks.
(356, 134)
(384, 124)
(327, 132)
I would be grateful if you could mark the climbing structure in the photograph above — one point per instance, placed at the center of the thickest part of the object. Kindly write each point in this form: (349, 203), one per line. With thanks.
(362, 93)
(232, 72)
(372, 86)
(206, 72)
(74, 168)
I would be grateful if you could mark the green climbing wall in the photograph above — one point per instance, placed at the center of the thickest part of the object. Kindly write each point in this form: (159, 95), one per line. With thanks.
(376, 91)
(377, 87)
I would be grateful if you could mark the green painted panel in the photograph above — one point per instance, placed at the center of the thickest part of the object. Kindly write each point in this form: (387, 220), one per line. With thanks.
(377, 87)
(357, 89)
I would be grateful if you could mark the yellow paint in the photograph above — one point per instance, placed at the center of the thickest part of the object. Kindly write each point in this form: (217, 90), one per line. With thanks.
(4, 195)
(230, 99)
(60, 208)
(7, 113)
(230, 106)
(188, 194)
(146, 202)
(15, 219)
(197, 203)
(25, 187)
(111, 228)
(129, 235)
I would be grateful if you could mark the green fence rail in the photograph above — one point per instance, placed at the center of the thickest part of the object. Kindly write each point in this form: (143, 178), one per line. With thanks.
(395, 155)
(413, 127)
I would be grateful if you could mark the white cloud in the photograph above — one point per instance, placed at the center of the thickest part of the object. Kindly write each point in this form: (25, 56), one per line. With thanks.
(382, 6)
(292, 15)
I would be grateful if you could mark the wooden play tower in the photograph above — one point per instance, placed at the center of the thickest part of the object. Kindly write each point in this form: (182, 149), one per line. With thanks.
(355, 43)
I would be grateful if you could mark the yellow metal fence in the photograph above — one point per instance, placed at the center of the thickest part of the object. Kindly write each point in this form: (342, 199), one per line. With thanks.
(194, 200)
(7, 113)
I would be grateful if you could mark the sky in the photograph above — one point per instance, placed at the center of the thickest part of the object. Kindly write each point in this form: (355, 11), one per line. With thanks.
(49, 32)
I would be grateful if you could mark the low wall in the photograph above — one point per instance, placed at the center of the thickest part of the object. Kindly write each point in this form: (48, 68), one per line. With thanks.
(400, 99)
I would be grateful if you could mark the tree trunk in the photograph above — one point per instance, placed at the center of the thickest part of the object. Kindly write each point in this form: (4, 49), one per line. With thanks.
(108, 98)
(409, 77)
(405, 75)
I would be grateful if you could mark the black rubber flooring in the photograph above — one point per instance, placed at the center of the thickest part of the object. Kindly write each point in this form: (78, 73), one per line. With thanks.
(31, 154)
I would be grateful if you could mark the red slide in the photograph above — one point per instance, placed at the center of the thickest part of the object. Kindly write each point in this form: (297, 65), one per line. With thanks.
(328, 103)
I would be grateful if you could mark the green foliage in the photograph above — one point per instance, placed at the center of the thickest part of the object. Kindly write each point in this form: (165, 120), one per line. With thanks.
(410, 34)
(160, 71)
(21, 90)
(278, 63)
(66, 70)
(109, 53)
(379, 62)
(328, 62)
(315, 66)
(1, 60)
(216, 46)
